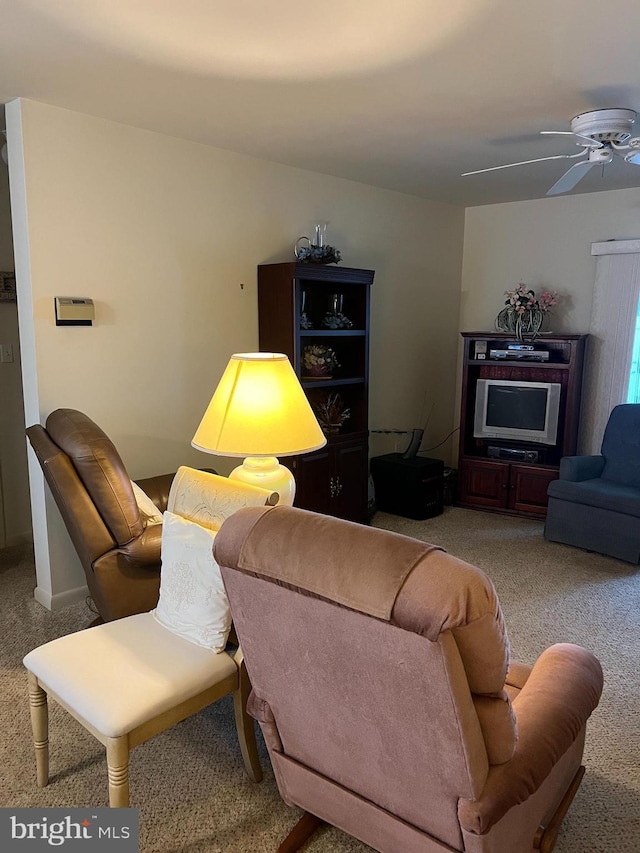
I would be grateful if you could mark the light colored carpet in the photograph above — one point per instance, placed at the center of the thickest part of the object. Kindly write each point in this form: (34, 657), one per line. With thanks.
(189, 782)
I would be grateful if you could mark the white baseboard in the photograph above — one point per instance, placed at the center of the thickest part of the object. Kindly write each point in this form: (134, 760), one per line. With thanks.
(61, 599)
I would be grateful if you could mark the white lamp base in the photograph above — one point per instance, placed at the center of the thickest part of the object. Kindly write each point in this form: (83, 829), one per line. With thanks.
(266, 472)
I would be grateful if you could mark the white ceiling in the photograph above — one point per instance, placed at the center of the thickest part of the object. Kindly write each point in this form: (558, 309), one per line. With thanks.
(402, 94)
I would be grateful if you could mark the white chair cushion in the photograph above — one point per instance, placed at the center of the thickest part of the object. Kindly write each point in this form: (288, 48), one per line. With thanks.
(192, 603)
(119, 675)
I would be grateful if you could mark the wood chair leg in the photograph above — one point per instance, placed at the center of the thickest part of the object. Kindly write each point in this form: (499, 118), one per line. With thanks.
(301, 833)
(245, 725)
(546, 836)
(39, 710)
(118, 770)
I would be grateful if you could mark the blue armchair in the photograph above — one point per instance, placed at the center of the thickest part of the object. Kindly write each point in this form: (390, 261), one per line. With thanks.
(596, 502)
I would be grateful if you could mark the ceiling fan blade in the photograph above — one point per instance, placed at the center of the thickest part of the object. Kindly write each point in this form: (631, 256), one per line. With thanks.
(571, 177)
(591, 143)
(521, 163)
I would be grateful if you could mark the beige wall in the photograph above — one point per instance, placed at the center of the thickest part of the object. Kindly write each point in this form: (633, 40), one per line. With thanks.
(161, 233)
(15, 515)
(547, 244)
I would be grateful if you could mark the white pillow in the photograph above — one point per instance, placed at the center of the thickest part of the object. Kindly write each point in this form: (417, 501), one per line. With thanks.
(192, 603)
(149, 512)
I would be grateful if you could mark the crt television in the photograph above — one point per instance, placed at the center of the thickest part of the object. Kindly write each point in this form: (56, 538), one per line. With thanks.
(523, 411)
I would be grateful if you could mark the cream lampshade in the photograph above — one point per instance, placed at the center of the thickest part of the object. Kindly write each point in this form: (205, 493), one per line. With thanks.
(259, 411)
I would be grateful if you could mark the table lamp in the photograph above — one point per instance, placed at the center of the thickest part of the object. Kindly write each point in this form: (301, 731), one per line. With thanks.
(259, 411)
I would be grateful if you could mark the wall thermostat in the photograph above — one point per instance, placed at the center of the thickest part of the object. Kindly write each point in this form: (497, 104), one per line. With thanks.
(74, 311)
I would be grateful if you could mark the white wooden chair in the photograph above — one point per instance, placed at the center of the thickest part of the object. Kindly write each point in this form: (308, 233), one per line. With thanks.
(130, 679)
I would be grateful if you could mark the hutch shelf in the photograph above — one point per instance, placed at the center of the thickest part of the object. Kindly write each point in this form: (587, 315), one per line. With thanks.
(296, 305)
(515, 485)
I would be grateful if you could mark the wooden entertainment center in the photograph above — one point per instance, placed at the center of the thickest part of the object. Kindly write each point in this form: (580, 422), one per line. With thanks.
(514, 485)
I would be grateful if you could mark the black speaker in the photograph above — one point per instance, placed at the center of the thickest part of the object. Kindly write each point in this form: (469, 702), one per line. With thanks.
(412, 488)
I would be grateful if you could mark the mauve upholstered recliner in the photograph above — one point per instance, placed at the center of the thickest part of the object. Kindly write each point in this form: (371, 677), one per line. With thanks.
(383, 685)
(595, 504)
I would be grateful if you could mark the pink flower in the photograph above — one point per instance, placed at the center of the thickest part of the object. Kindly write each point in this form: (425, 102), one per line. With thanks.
(547, 300)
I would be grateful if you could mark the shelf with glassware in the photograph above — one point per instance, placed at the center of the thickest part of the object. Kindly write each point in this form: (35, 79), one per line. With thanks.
(319, 316)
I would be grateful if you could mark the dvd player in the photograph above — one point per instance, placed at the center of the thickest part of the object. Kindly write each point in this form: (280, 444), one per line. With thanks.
(527, 355)
(512, 453)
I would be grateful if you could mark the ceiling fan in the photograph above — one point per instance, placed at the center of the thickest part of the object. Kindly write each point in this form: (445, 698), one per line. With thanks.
(602, 134)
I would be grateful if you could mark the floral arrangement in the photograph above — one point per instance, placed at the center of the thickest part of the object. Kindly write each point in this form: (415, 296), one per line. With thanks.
(522, 299)
(524, 314)
(319, 255)
(336, 321)
(331, 413)
(319, 360)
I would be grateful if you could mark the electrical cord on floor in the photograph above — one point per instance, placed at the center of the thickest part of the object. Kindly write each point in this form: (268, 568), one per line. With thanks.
(92, 609)
(90, 604)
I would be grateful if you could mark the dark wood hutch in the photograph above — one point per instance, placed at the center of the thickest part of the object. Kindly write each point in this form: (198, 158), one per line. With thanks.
(332, 480)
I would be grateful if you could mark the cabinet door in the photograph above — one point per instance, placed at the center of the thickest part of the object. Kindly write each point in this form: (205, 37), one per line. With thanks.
(349, 485)
(528, 488)
(313, 474)
(484, 483)
(333, 481)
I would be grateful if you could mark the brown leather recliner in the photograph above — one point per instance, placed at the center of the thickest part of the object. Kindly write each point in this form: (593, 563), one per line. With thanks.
(384, 689)
(90, 484)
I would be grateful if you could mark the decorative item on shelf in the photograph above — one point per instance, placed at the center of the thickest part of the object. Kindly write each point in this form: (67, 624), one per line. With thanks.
(305, 322)
(319, 361)
(317, 251)
(331, 413)
(334, 318)
(523, 314)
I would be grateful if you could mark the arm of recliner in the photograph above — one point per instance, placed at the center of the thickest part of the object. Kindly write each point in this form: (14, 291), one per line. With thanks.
(517, 674)
(144, 550)
(578, 468)
(555, 703)
(119, 588)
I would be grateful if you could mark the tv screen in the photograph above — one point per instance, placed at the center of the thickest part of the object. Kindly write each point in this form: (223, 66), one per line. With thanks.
(520, 411)
(520, 407)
